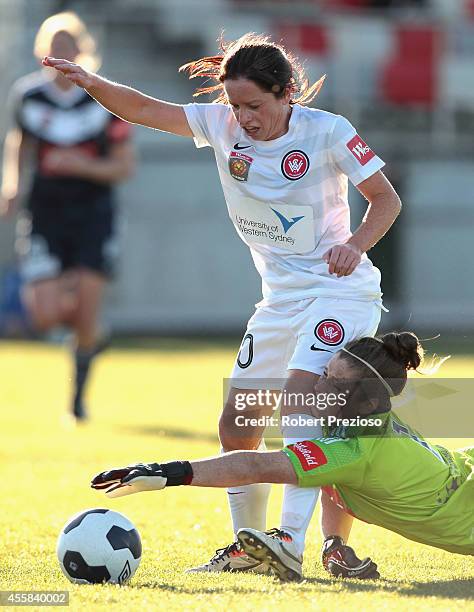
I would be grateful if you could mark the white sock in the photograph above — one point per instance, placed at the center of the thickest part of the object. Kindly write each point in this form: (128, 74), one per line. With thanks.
(248, 503)
(298, 503)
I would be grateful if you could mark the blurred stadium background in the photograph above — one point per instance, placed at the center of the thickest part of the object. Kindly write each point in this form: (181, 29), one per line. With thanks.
(401, 71)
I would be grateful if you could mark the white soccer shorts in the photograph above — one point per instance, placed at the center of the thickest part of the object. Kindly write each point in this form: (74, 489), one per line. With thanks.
(301, 335)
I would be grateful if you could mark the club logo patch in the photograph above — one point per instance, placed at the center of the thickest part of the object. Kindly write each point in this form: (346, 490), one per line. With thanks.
(295, 165)
(309, 454)
(360, 150)
(239, 165)
(330, 332)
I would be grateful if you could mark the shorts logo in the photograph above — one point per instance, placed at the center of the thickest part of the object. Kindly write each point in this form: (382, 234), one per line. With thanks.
(309, 454)
(330, 332)
(295, 165)
(239, 165)
(361, 151)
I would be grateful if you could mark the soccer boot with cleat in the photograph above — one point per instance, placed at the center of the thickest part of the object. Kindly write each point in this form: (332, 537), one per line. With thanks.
(341, 561)
(231, 559)
(274, 549)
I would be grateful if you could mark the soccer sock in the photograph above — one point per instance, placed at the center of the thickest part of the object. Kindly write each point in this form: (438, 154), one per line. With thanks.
(82, 364)
(248, 503)
(298, 503)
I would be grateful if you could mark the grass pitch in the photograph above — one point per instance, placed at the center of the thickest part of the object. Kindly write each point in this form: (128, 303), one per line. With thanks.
(161, 404)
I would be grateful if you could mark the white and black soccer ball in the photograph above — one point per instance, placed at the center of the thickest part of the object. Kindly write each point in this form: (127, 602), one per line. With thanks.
(99, 545)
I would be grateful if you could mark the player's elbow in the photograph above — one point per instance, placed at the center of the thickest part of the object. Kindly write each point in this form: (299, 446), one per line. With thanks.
(391, 202)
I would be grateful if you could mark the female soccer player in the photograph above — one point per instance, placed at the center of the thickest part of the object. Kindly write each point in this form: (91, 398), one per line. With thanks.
(80, 151)
(284, 169)
(385, 474)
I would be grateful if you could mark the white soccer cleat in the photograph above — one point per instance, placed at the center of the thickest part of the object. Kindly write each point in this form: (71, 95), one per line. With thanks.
(231, 559)
(274, 549)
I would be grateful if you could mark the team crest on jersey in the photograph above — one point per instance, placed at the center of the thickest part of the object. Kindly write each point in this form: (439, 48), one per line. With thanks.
(239, 165)
(360, 150)
(295, 165)
(330, 332)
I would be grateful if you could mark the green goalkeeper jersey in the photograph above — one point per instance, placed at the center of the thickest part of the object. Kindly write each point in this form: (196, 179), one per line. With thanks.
(395, 479)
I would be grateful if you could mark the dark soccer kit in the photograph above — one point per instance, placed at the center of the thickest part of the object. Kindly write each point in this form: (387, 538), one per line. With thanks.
(71, 220)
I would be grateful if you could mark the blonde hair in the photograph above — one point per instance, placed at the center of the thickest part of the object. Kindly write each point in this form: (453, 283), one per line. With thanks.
(71, 24)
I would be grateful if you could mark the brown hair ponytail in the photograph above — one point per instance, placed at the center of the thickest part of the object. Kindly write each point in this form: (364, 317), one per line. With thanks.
(257, 58)
(392, 356)
(404, 348)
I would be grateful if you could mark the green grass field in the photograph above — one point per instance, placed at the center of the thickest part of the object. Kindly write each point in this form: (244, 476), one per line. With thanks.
(160, 404)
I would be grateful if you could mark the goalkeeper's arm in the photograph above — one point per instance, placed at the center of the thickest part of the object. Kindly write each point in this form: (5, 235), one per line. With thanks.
(232, 469)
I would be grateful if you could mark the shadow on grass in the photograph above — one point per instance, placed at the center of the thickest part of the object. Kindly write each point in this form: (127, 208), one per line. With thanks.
(447, 589)
(169, 432)
(207, 590)
(460, 588)
(182, 434)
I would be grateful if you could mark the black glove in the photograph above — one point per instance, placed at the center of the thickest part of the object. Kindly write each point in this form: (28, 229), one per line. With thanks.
(341, 560)
(131, 479)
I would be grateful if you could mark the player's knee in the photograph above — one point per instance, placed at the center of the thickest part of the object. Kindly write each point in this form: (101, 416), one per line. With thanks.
(231, 439)
(227, 438)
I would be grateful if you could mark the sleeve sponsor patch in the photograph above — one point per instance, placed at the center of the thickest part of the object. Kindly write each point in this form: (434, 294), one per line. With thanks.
(360, 150)
(310, 455)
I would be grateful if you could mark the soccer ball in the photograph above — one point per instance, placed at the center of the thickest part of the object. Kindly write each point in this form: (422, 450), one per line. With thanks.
(99, 545)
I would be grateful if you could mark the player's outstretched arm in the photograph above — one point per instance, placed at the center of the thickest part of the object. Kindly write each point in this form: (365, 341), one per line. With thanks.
(232, 469)
(125, 102)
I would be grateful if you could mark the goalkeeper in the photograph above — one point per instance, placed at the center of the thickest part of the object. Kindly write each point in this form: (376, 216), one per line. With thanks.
(387, 475)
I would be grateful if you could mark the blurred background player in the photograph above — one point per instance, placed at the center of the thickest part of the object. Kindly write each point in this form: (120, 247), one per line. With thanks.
(67, 243)
(286, 167)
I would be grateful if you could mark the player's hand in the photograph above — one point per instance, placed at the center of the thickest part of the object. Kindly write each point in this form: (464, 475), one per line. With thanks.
(343, 259)
(8, 206)
(73, 72)
(118, 482)
(341, 561)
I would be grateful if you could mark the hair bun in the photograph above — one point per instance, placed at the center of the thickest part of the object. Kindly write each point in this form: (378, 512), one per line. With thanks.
(405, 348)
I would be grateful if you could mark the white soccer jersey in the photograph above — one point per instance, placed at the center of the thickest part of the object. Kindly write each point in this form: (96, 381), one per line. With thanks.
(287, 197)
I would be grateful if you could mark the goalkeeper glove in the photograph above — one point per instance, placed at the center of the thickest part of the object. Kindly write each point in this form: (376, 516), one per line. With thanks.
(118, 482)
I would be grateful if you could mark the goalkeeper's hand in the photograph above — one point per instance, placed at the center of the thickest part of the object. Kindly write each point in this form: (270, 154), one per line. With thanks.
(341, 561)
(118, 482)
